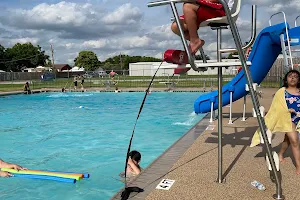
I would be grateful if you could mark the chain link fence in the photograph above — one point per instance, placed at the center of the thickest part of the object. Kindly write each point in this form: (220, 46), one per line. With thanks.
(10, 81)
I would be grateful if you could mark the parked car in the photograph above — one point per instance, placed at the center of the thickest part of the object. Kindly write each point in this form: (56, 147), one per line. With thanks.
(89, 75)
(47, 76)
(102, 73)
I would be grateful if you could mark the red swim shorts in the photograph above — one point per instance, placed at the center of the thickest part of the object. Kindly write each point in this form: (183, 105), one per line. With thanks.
(208, 10)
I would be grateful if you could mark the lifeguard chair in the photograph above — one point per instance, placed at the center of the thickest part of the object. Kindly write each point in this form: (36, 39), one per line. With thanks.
(218, 24)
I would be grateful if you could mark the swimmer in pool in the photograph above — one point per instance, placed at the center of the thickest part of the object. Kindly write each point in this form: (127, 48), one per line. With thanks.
(10, 166)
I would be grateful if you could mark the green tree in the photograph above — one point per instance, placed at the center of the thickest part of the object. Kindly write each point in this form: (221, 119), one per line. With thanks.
(88, 60)
(122, 61)
(2, 58)
(24, 55)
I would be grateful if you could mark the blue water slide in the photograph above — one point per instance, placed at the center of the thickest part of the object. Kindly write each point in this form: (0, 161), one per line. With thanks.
(265, 51)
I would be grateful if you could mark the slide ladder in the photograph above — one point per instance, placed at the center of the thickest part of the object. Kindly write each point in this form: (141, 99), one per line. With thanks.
(285, 40)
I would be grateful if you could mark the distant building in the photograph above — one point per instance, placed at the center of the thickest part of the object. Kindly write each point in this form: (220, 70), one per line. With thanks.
(62, 67)
(77, 69)
(25, 69)
(167, 69)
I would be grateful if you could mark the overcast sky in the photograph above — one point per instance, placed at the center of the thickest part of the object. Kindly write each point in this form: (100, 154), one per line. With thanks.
(111, 27)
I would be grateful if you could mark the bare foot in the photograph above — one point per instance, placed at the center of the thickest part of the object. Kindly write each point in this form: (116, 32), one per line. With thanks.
(196, 45)
(298, 170)
(281, 158)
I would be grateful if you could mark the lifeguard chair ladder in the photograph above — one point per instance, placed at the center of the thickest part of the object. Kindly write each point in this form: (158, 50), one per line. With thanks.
(219, 24)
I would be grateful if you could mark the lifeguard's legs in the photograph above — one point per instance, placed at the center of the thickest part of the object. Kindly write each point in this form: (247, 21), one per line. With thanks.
(190, 27)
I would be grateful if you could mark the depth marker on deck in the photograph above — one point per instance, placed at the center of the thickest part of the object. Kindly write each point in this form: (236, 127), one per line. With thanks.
(165, 184)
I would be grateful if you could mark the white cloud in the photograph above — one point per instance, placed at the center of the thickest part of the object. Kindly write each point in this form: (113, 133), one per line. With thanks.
(290, 5)
(126, 14)
(34, 41)
(62, 13)
(135, 42)
(74, 20)
(125, 43)
(96, 44)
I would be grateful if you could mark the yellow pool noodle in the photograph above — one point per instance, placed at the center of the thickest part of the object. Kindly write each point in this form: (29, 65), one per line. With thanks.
(72, 176)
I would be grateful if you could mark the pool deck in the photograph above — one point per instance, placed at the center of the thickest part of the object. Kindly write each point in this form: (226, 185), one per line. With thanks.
(194, 167)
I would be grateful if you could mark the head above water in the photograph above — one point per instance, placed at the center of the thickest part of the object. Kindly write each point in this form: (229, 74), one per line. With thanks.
(292, 78)
(135, 155)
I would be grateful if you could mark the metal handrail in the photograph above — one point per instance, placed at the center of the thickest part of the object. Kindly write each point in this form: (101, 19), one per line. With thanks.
(256, 105)
(296, 21)
(185, 45)
(166, 2)
(253, 33)
(287, 34)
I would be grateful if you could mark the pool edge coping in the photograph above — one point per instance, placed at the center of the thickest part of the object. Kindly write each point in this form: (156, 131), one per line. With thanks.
(44, 90)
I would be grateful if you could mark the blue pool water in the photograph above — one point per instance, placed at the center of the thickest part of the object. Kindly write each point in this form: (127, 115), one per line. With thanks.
(86, 132)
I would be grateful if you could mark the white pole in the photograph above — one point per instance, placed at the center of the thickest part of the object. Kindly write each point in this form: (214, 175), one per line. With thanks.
(244, 110)
(230, 109)
(211, 112)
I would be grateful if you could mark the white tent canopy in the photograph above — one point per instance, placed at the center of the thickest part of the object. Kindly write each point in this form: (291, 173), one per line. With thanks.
(75, 69)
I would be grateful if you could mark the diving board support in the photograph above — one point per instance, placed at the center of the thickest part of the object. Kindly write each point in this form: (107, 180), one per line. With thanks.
(254, 98)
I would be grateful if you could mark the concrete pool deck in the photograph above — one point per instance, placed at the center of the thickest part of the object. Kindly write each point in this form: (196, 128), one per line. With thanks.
(195, 172)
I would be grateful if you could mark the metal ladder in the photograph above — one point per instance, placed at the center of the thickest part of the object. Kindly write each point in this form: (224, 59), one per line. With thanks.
(254, 97)
(286, 52)
(298, 17)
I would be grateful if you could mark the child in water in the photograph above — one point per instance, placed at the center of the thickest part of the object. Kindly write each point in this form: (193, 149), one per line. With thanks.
(134, 160)
(133, 166)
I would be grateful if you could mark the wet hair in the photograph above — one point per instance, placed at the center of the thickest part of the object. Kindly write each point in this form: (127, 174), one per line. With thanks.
(135, 155)
(285, 82)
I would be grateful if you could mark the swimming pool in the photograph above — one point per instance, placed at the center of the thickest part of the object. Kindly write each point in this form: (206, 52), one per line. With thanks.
(86, 132)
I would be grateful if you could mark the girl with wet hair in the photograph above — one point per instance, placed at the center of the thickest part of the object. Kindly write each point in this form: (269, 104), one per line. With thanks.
(134, 163)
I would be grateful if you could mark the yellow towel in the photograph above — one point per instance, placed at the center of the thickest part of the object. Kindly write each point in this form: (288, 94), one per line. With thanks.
(278, 118)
